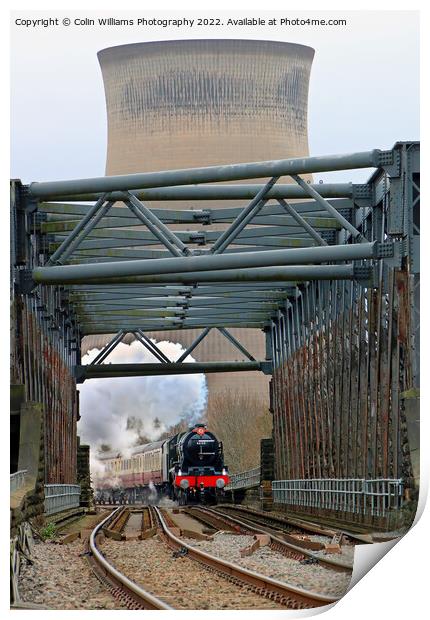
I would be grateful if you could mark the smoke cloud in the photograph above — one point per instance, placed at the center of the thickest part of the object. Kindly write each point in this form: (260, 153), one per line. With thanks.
(119, 412)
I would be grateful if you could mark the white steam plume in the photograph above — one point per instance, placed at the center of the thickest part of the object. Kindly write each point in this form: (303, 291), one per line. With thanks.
(116, 412)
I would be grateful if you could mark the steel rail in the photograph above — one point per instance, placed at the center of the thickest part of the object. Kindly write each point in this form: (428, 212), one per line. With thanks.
(210, 174)
(298, 598)
(141, 596)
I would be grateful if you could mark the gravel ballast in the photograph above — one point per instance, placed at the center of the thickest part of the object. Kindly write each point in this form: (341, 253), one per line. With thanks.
(61, 578)
(273, 564)
(180, 582)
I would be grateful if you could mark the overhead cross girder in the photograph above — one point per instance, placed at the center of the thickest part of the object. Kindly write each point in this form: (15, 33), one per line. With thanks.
(210, 174)
(214, 192)
(263, 274)
(144, 370)
(102, 271)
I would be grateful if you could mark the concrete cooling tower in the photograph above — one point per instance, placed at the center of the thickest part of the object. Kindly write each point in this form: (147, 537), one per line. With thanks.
(180, 104)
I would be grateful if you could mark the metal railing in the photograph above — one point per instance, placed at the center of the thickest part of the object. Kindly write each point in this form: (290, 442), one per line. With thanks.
(17, 480)
(59, 497)
(353, 495)
(244, 479)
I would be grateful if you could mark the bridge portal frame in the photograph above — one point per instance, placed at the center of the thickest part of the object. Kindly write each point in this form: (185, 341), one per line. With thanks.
(374, 226)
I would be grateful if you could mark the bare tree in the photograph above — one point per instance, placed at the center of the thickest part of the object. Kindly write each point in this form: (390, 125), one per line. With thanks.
(187, 420)
(240, 421)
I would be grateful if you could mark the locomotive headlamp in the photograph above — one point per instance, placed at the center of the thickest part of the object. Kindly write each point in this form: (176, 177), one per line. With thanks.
(200, 430)
(184, 484)
(220, 483)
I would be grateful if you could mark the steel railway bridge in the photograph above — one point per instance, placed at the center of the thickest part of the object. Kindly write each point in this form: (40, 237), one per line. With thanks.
(329, 272)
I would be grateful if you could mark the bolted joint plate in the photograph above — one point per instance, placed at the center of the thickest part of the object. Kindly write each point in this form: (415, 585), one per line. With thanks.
(203, 217)
(390, 161)
(198, 238)
(366, 275)
(385, 158)
(391, 253)
(27, 202)
(266, 367)
(24, 284)
(385, 250)
(347, 214)
(361, 191)
(79, 373)
(330, 236)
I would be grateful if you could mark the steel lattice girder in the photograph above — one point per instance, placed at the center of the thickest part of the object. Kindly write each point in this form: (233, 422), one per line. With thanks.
(59, 217)
(103, 246)
(243, 287)
(136, 313)
(282, 226)
(167, 305)
(110, 328)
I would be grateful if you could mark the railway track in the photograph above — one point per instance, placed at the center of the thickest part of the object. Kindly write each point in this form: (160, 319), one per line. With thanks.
(284, 593)
(136, 597)
(276, 522)
(116, 582)
(294, 524)
(290, 549)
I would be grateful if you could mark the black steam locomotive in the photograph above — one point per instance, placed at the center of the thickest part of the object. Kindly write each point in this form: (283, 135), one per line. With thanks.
(188, 467)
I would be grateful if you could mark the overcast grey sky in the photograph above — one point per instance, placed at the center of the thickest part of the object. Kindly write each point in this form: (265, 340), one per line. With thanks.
(364, 88)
